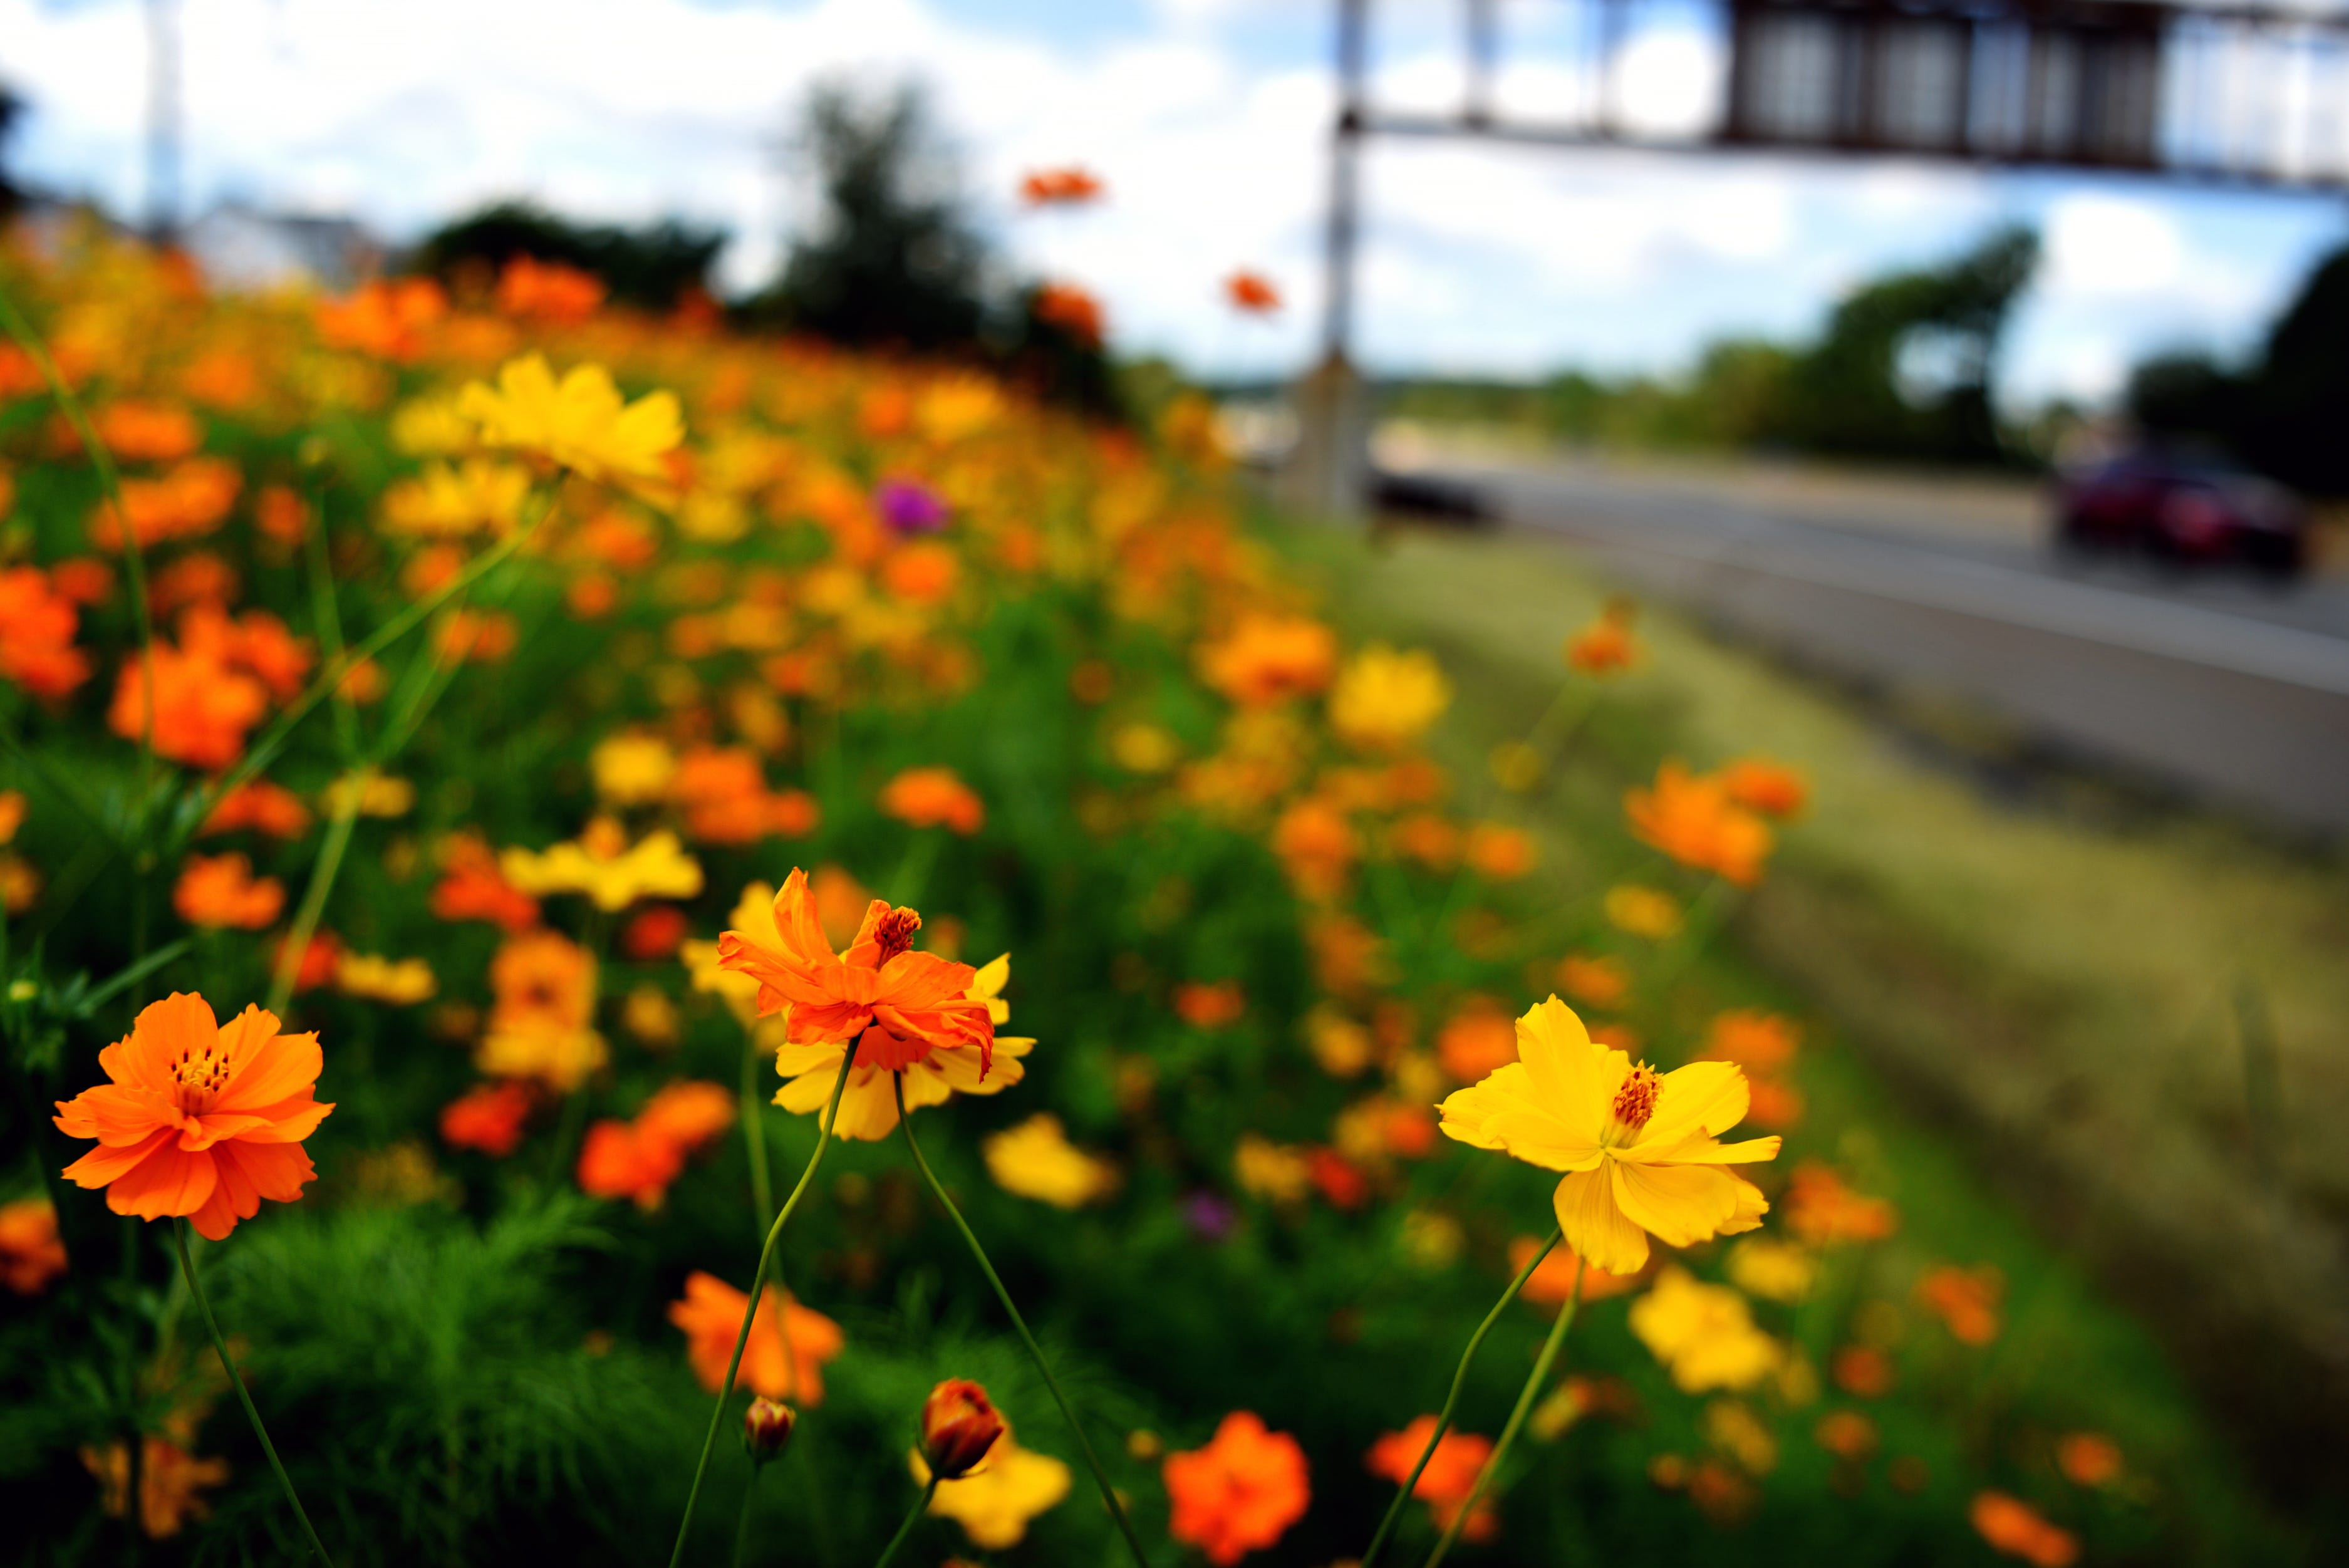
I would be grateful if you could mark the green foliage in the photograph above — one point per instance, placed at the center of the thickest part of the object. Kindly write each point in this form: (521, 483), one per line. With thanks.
(652, 267)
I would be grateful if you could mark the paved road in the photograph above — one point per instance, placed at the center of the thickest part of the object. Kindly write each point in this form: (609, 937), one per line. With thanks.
(2236, 690)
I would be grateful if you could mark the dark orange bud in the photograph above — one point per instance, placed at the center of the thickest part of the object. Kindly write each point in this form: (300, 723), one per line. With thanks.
(767, 1429)
(959, 1426)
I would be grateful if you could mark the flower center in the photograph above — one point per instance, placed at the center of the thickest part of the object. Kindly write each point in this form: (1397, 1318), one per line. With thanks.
(895, 933)
(1635, 1102)
(200, 1071)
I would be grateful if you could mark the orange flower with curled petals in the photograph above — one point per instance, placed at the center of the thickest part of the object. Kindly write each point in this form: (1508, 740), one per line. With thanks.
(221, 890)
(934, 797)
(204, 705)
(1694, 820)
(1640, 1152)
(30, 1253)
(200, 1119)
(1450, 1476)
(1267, 658)
(1774, 789)
(37, 622)
(784, 1356)
(904, 1005)
(1240, 1493)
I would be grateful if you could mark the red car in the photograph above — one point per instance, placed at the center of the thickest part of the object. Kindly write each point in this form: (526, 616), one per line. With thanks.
(2181, 510)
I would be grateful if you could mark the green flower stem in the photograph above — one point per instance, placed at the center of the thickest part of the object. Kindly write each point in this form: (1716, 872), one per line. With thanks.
(921, 1504)
(1542, 1365)
(1443, 1419)
(754, 1131)
(1035, 1351)
(758, 1285)
(314, 898)
(742, 1521)
(228, 1364)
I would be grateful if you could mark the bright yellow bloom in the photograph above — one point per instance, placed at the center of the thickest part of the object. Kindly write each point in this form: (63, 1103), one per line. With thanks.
(994, 1502)
(1036, 1160)
(370, 793)
(432, 426)
(1644, 911)
(448, 502)
(1640, 1151)
(401, 983)
(754, 916)
(868, 1108)
(1387, 698)
(1705, 1333)
(601, 864)
(579, 422)
(633, 770)
(1775, 1270)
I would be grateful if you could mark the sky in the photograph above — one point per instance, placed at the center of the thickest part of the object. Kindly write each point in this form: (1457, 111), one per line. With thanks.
(1208, 119)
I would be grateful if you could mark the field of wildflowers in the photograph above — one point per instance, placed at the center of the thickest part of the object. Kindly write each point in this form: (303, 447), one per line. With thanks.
(530, 830)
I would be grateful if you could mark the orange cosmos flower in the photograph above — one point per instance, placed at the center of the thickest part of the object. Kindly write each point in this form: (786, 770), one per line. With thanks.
(1552, 1284)
(1252, 292)
(548, 290)
(1965, 1300)
(1774, 789)
(203, 706)
(1450, 1476)
(1606, 645)
(488, 1118)
(1072, 310)
(1692, 819)
(911, 1012)
(1210, 1004)
(170, 1483)
(1479, 1039)
(221, 890)
(2013, 1527)
(263, 806)
(1600, 982)
(639, 1159)
(1757, 1042)
(1240, 1493)
(192, 499)
(147, 432)
(1823, 1211)
(1066, 187)
(2087, 1459)
(542, 1025)
(30, 1253)
(934, 797)
(393, 320)
(1265, 659)
(1317, 847)
(199, 1119)
(37, 622)
(1499, 852)
(782, 1360)
(472, 887)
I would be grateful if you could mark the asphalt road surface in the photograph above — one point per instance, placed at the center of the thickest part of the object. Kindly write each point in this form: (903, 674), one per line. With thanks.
(2235, 691)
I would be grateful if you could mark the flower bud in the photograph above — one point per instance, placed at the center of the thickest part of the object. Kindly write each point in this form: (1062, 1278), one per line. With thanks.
(767, 1429)
(959, 1426)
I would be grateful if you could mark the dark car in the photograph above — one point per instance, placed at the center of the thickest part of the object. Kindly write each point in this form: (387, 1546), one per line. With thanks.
(2182, 510)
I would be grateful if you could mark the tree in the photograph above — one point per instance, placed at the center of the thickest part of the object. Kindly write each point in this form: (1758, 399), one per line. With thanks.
(1907, 364)
(891, 260)
(2292, 427)
(650, 266)
(12, 113)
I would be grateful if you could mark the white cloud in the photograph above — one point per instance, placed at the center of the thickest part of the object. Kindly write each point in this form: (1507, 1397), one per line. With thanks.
(406, 111)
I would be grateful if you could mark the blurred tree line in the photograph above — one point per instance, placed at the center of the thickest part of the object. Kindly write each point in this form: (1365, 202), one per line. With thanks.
(2283, 412)
(1904, 368)
(889, 258)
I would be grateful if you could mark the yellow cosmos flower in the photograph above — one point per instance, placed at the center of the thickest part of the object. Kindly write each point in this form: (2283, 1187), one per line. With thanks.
(601, 864)
(400, 982)
(580, 422)
(994, 1502)
(1387, 698)
(1036, 1160)
(1640, 1151)
(1705, 1333)
(450, 501)
(868, 1107)
(1644, 911)
(633, 770)
(754, 916)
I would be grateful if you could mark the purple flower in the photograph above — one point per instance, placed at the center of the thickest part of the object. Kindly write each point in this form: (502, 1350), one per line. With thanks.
(1209, 1217)
(909, 507)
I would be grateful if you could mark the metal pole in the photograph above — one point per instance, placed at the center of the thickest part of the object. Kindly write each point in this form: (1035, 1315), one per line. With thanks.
(1484, 47)
(162, 120)
(1338, 248)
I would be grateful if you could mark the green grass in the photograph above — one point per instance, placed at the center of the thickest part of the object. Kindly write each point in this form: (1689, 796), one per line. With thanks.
(2025, 1011)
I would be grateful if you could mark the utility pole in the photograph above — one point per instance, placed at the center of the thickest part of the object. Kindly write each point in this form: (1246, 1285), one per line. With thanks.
(1330, 471)
(162, 120)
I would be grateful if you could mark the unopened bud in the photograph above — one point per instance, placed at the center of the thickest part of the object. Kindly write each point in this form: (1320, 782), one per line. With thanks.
(767, 1429)
(959, 1426)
